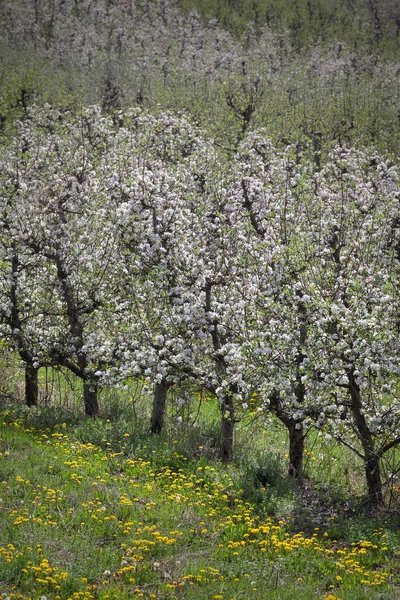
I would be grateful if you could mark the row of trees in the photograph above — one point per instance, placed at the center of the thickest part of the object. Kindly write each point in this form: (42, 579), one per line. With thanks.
(149, 53)
(359, 22)
(131, 247)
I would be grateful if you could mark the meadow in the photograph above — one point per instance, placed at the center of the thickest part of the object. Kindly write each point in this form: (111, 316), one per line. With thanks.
(100, 510)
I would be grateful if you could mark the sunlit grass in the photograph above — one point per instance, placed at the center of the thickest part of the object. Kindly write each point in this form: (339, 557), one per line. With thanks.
(83, 522)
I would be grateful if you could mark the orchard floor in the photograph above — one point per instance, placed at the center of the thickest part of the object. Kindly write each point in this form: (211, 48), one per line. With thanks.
(82, 522)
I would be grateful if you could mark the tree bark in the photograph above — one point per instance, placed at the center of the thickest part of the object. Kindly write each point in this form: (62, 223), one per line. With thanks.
(31, 385)
(159, 406)
(31, 372)
(227, 406)
(371, 458)
(296, 448)
(90, 399)
(227, 429)
(374, 480)
(296, 435)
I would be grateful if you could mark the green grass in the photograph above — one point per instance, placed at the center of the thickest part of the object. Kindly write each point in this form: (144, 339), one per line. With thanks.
(134, 516)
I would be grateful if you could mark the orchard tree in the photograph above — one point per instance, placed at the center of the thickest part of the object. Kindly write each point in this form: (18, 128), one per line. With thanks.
(275, 193)
(328, 345)
(29, 316)
(155, 164)
(222, 273)
(356, 279)
(180, 243)
(63, 220)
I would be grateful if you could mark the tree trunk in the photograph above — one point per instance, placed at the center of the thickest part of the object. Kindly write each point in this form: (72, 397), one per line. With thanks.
(227, 407)
(374, 481)
(296, 448)
(90, 399)
(296, 434)
(295, 426)
(227, 429)
(31, 385)
(371, 458)
(159, 405)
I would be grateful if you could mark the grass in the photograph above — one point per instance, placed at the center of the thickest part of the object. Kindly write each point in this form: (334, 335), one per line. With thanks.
(100, 510)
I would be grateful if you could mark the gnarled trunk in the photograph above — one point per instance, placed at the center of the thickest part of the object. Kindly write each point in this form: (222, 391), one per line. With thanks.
(90, 393)
(227, 405)
(31, 385)
(374, 480)
(296, 436)
(296, 448)
(371, 458)
(227, 429)
(159, 406)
